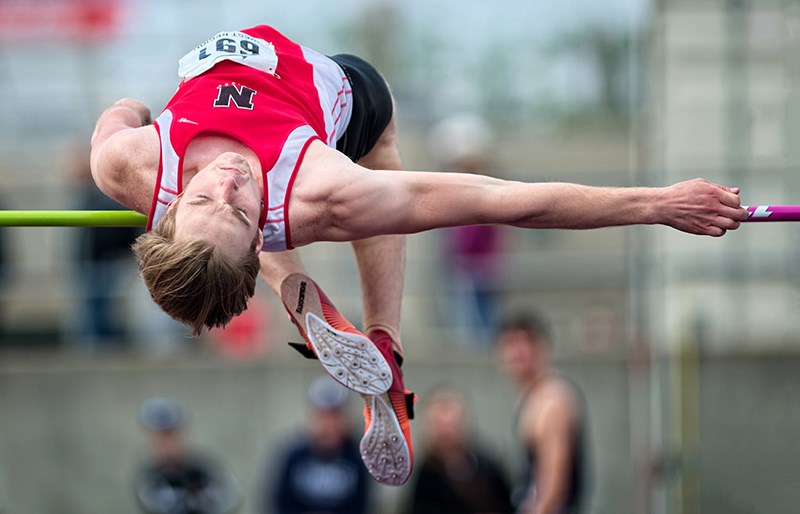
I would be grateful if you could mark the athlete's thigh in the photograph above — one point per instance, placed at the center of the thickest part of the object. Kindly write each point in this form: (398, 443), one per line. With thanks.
(385, 155)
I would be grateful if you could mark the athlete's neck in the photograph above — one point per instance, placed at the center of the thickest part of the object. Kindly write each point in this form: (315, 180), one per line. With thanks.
(204, 148)
(534, 378)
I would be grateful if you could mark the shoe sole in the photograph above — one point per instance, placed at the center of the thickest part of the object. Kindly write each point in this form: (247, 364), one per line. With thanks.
(351, 359)
(384, 449)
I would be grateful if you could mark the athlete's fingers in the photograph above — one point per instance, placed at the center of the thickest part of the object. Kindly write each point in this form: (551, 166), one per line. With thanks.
(733, 212)
(730, 199)
(743, 214)
(726, 223)
(734, 190)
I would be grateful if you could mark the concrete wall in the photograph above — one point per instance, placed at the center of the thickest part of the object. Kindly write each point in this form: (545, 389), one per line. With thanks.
(70, 443)
(69, 440)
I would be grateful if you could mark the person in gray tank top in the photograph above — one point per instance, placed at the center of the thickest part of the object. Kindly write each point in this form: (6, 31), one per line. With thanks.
(550, 421)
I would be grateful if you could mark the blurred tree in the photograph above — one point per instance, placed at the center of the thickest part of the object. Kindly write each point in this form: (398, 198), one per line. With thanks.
(608, 53)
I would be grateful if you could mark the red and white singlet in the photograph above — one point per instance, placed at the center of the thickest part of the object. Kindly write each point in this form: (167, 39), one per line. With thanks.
(270, 93)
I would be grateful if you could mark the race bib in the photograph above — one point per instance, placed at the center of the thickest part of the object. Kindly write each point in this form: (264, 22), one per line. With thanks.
(229, 46)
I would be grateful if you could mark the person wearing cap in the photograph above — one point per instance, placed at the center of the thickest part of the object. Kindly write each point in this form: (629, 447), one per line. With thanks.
(176, 479)
(321, 471)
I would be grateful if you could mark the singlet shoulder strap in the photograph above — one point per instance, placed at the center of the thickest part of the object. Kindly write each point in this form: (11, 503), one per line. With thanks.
(168, 182)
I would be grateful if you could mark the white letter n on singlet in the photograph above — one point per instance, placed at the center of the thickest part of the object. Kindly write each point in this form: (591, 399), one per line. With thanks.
(242, 96)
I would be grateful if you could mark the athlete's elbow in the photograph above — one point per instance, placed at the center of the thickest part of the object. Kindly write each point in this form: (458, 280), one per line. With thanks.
(108, 174)
(98, 173)
(107, 185)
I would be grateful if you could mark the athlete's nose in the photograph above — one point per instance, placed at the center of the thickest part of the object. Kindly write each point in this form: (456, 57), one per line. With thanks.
(229, 187)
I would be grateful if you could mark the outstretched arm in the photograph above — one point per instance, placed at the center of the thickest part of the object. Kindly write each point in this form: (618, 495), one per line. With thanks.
(124, 155)
(344, 202)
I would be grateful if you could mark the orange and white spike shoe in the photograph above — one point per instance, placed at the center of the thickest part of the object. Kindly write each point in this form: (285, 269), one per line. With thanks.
(386, 447)
(347, 355)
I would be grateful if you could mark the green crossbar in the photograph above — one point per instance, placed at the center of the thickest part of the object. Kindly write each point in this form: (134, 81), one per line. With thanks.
(72, 219)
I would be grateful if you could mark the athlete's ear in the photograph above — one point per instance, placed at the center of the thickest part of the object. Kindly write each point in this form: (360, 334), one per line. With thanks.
(260, 242)
(174, 203)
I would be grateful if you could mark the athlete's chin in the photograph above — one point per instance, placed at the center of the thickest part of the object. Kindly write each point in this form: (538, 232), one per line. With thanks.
(233, 160)
(234, 170)
(513, 370)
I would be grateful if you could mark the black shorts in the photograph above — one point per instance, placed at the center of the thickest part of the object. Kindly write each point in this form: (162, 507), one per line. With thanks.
(372, 106)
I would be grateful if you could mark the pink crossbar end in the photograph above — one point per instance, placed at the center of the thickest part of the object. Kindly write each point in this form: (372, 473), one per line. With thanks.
(759, 213)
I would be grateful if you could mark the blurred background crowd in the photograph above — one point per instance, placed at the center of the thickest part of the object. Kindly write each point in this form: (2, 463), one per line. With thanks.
(686, 349)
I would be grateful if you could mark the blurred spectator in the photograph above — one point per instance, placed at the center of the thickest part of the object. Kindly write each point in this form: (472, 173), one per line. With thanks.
(322, 470)
(248, 335)
(551, 422)
(177, 480)
(103, 260)
(473, 256)
(455, 476)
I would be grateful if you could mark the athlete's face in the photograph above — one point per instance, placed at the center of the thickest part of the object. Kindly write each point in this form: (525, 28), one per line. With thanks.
(221, 204)
(520, 353)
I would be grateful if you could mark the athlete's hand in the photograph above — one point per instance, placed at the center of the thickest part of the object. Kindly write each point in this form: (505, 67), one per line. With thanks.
(701, 207)
(138, 107)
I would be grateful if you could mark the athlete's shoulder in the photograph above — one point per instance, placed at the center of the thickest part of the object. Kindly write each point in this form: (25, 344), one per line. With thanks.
(320, 158)
(558, 389)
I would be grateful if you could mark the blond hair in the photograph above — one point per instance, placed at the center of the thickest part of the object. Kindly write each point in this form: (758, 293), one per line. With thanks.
(193, 281)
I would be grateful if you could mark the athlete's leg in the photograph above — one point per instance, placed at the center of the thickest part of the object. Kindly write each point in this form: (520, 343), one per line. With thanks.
(386, 447)
(345, 353)
(381, 260)
(370, 140)
(276, 266)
